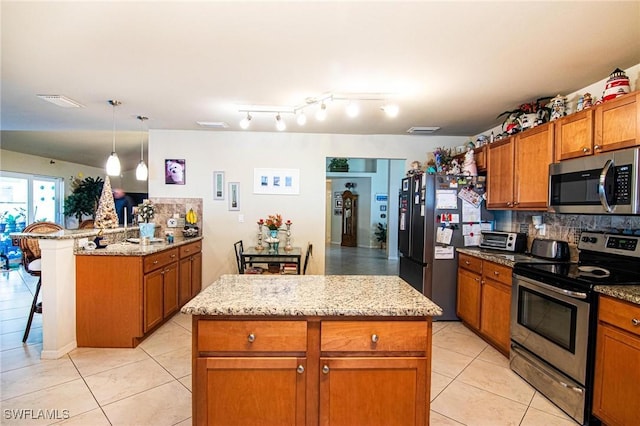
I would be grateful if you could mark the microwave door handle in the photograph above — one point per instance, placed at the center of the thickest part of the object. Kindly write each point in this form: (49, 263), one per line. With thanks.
(602, 191)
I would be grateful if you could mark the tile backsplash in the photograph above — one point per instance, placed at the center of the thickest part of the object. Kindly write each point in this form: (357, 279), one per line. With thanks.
(166, 208)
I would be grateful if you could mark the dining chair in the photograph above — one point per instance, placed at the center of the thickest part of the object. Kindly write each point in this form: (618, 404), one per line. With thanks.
(32, 264)
(239, 248)
(86, 224)
(306, 258)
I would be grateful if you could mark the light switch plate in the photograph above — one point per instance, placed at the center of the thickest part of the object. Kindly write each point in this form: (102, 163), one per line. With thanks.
(172, 223)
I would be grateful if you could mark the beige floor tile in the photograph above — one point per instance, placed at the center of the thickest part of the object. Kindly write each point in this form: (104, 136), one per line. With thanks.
(177, 362)
(438, 383)
(497, 379)
(14, 339)
(459, 327)
(90, 361)
(19, 324)
(448, 363)
(20, 300)
(187, 422)
(20, 357)
(541, 403)
(12, 313)
(451, 339)
(169, 337)
(121, 382)
(491, 354)
(183, 320)
(187, 381)
(535, 417)
(437, 419)
(91, 418)
(472, 406)
(151, 407)
(42, 375)
(439, 326)
(57, 403)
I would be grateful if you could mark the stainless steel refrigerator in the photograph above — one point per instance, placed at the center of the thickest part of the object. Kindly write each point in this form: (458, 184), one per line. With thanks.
(429, 202)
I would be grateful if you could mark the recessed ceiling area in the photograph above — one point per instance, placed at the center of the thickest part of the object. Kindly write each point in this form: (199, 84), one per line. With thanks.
(453, 65)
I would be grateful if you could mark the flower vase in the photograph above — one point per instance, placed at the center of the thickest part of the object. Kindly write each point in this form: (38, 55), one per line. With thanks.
(147, 230)
(273, 233)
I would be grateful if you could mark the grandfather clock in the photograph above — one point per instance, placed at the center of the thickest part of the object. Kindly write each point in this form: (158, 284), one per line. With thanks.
(349, 219)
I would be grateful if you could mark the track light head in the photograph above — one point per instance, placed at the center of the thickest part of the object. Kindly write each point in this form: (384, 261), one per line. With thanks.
(321, 115)
(353, 110)
(301, 118)
(391, 110)
(245, 122)
(280, 124)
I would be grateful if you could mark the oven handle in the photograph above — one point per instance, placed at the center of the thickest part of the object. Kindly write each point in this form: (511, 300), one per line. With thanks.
(601, 186)
(574, 294)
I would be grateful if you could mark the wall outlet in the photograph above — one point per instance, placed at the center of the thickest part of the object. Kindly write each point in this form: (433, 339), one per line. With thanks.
(172, 223)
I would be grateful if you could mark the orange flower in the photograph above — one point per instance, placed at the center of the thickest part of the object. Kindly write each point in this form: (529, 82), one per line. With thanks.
(274, 222)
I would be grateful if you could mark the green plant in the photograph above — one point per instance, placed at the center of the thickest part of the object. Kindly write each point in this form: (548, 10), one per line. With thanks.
(339, 164)
(381, 232)
(84, 197)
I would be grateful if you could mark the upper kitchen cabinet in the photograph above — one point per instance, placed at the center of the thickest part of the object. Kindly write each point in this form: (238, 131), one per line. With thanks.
(518, 170)
(617, 124)
(574, 135)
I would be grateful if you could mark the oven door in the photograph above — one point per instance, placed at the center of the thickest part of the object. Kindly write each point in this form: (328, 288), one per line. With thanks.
(552, 323)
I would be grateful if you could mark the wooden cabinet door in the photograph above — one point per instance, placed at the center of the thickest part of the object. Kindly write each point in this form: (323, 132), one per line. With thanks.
(468, 304)
(574, 135)
(500, 163)
(373, 391)
(184, 280)
(170, 288)
(196, 274)
(480, 155)
(617, 123)
(250, 391)
(533, 154)
(153, 294)
(496, 310)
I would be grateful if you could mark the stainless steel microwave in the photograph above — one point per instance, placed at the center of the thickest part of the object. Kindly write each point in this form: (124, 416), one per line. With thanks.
(599, 184)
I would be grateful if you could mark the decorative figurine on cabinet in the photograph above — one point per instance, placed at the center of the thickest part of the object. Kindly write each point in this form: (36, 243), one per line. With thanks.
(469, 166)
(558, 107)
(617, 85)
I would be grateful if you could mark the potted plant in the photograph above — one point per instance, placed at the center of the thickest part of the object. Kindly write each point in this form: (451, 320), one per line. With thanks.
(147, 211)
(339, 165)
(84, 197)
(381, 234)
(525, 116)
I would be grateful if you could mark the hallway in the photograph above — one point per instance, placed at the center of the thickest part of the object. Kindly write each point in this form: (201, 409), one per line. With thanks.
(358, 261)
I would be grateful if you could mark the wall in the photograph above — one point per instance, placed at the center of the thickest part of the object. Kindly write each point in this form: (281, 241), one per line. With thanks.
(238, 153)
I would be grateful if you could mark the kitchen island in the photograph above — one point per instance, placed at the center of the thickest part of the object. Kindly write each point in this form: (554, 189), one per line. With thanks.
(311, 350)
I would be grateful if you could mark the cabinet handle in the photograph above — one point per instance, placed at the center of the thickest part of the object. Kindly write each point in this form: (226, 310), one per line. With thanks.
(635, 322)
(466, 262)
(325, 369)
(155, 261)
(509, 204)
(251, 338)
(187, 250)
(585, 149)
(300, 369)
(478, 279)
(374, 338)
(597, 147)
(173, 255)
(496, 273)
(515, 203)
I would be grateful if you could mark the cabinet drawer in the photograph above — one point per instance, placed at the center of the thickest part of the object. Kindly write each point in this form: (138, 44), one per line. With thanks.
(497, 272)
(189, 249)
(252, 336)
(373, 336)
(470, 262)
(620, 314)
(158, 260)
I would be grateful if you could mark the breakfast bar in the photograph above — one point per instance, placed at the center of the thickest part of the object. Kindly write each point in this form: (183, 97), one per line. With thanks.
(310, 350)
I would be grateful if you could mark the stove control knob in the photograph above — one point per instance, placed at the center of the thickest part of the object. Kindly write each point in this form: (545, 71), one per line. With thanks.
(585, 239)
(593, 240)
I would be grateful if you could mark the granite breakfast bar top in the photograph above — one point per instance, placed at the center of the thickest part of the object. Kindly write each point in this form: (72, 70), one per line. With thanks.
(311, 295)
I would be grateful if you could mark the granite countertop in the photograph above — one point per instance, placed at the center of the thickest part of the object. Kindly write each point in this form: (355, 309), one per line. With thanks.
(311, 295)
(629, 293)
(502, 257)
(133, 249)
(69, 234)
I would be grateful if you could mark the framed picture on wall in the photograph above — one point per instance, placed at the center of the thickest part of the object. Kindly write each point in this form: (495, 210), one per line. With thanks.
(234, 195)
(276, 181)
(218, 185)
(174, 172)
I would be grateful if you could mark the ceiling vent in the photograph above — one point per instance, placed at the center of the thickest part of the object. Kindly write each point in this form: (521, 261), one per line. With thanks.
(213, 124)
(425, 130)
(61, 101)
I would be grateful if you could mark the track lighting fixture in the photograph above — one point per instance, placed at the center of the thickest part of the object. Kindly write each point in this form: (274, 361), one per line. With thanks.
(353, 109)
(280, 124)
(391, 110)
(321, 114)
(245, 122)
(113, 162)
(301, 118)
(142, 171)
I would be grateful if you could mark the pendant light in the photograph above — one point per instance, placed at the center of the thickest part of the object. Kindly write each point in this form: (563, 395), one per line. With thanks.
(142, 172)
(113, 162)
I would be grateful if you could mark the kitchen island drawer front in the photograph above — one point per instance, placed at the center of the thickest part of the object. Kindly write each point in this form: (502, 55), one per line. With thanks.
(158, 260)
(373, 336)
(497, 272)
(252, 336)
(471, 263)
(190, 249)
(624, 315)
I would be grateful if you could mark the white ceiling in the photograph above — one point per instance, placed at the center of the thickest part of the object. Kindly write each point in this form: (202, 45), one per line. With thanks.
(454, 64)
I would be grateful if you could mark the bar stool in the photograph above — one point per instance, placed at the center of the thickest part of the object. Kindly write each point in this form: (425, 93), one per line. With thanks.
(32, 264)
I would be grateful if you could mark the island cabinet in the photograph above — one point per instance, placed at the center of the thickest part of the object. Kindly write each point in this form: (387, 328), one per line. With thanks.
(160, 287)
(518, 170)
(484, 299)
(311, 371)
(190, 267)
(617, 371)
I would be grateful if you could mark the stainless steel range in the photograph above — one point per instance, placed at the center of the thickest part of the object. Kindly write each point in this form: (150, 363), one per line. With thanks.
(554, 317)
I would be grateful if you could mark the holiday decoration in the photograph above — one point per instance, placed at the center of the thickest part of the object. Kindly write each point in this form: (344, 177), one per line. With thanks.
(106, 216)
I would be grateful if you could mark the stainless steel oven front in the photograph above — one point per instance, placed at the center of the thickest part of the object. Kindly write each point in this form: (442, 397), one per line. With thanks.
(550, 334)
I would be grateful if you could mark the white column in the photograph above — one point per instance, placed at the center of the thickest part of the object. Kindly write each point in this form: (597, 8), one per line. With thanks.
(58, 297)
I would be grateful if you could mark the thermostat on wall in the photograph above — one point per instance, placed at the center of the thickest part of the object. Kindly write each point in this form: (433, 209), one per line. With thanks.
(172, 222)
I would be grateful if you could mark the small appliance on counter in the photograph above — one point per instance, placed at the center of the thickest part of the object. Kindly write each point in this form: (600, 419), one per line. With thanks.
(508, 241)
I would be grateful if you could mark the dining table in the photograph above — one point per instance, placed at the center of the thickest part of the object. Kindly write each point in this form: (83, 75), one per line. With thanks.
(286, 256)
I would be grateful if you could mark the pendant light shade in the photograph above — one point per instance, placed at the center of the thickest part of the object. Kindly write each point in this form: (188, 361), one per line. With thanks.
(113, 162)
(142, 172)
